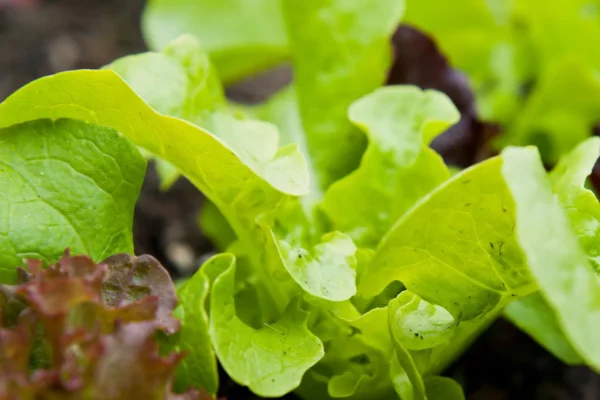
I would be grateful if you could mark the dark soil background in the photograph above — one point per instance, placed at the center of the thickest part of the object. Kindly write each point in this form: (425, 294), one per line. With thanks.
(41, 37)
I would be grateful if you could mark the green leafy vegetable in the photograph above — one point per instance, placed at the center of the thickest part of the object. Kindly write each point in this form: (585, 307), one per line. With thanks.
(180, 81)
(60, 180)
(333, 43)
(199, 368)
(102, 97)
(357, 266)
(566, 278)
(420, 325)
(404, 372)
(275, 356)
(532, 313)
(398, 168)
(242, 37)
(568, 182)
(459, 237)
(439, 387)
(533, 316)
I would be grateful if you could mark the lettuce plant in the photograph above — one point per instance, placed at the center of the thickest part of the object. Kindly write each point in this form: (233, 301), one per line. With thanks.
(355, 264)
(78, 330)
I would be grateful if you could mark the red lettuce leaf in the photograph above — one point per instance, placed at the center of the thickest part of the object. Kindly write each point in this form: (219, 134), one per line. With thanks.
(78, 329)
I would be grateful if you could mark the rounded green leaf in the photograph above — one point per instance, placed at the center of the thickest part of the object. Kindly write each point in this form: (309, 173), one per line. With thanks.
(456, 247)
(398, 167)
(271, 360)
(65, 184)
(420, 325)
(199, 367)
(566, 279)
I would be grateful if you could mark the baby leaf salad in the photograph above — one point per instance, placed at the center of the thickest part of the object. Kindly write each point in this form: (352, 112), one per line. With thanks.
(355, 263)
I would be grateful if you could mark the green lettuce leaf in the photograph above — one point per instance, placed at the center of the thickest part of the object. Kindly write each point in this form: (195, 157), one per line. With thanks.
(398, 167)
(419, 344)
(560, 266)
(356, 362)
(533, 315)
(102, 97)
(405, 374)
(270, 360)
(282, 109)
(64, 184)
(456, 247)
(340, 51)
(322, 264)
(180, 82)
(443, 388)
(199, 367)
(202, 103)
(568, 182)
(242, 37)
(420, 325)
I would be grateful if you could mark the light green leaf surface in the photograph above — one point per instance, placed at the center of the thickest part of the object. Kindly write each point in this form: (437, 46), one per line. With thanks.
(401, 382)
(282, 109)
(557, 261)
(443, 388)
(420, 325)
(322, 264)
(405, 374)
(65, 184)
(361, 370)
(533, 315)
(398, 167)
(242, 36)
(271, 360)
(456, 247)
(341, 52)
(356, 363)
(568, 182)
(179, 82)
(102, 97)
(327, 269)
(199, 367)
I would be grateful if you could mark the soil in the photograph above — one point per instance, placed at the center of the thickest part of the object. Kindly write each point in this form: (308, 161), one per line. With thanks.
(40, 37)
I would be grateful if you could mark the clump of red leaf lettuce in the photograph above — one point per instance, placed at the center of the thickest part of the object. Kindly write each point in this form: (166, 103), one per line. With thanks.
(81, 330)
